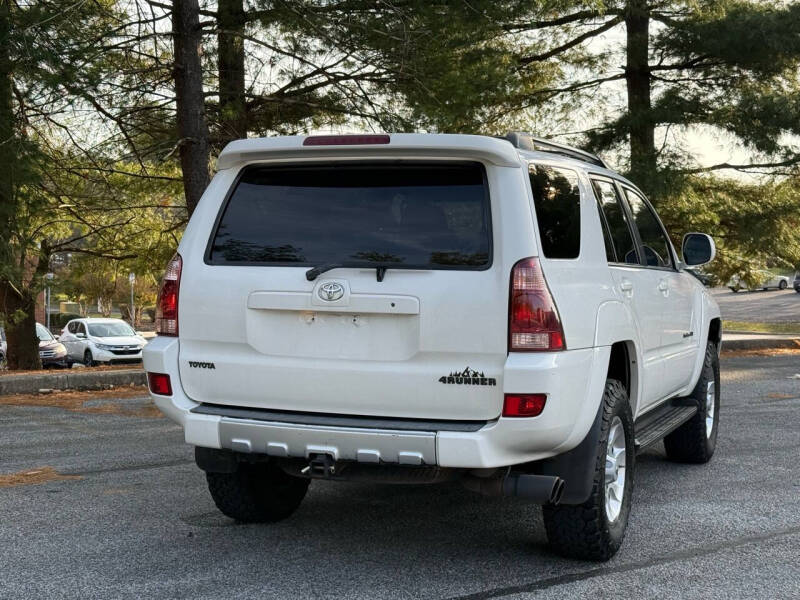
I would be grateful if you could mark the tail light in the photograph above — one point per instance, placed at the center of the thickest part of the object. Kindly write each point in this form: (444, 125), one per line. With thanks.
(523, 405)
(533, 321)
(167, 304)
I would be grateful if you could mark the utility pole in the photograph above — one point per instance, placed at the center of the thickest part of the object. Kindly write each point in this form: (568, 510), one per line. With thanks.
(47, 298)
(132, 279)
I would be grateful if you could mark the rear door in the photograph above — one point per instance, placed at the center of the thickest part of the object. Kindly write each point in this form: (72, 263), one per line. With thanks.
(407, 317)
(635, 284)
(673, 297)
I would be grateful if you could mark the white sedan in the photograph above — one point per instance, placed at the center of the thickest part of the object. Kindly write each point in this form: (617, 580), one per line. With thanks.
(769, 280)
(93, 341)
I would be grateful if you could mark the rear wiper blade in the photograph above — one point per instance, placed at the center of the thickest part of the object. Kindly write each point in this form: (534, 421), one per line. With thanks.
(312, 274)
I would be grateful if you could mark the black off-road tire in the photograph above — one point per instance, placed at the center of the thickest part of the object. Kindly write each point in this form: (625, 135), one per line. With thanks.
(584, 531)
(690, 443)
(257, 493)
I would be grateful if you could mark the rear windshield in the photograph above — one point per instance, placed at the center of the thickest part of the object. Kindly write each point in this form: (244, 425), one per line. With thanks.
(429, 216)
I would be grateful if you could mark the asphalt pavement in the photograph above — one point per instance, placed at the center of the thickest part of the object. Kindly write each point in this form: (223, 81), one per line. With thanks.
(771, 306)
(139, 522)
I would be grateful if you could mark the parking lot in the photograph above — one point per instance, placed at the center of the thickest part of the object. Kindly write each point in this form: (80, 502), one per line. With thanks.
(771, 306)
(137, 521)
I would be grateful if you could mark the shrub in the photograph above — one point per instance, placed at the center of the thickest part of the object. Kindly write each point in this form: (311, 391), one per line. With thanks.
(58, 321)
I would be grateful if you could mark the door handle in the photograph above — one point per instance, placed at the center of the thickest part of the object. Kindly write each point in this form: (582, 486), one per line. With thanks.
(626, 285)
(663, 287)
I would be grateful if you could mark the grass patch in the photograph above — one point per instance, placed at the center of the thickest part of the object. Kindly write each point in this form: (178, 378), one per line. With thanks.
(789, 327)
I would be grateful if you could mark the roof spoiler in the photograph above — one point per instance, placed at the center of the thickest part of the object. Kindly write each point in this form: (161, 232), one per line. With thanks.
(527, 141)
(400, 145)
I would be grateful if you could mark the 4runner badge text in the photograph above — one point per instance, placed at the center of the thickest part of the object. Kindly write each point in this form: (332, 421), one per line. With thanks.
(468, 377)
(201, 365)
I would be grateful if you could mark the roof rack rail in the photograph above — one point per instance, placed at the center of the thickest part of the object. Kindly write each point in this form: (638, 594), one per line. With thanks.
(526, 141)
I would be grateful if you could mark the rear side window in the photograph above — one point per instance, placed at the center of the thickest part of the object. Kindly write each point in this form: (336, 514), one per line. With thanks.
(654, 243)
(411, 215)
(614, 217)
(557, 199)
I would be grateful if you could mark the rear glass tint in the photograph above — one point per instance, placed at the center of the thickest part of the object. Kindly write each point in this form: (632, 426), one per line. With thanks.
(558, 210)
(430, 216)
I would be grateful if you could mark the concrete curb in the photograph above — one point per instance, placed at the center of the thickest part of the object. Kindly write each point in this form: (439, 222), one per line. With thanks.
(69, 380)
(742, 342)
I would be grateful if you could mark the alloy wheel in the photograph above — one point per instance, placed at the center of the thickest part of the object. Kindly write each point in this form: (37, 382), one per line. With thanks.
(615, 470)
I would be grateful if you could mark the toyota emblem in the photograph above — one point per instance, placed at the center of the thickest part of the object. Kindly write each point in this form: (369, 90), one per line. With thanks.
(330, 291)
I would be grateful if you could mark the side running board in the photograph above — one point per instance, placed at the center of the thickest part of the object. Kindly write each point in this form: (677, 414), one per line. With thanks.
(661, 421)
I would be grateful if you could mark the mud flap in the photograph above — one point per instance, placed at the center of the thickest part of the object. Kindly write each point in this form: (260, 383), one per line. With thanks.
(212, 460)
(576, 467)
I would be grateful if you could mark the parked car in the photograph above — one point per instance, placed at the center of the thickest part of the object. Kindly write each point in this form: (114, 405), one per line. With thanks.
(768, 281)
(51, 351)
(797, 282)
(408, 308)
(93, 341)
(707, 279)
(3, 347)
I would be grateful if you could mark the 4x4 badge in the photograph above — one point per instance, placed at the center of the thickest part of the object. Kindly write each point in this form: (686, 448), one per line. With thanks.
(468, 377)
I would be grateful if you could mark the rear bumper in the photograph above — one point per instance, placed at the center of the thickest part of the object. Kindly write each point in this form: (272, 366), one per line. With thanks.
(573, 381)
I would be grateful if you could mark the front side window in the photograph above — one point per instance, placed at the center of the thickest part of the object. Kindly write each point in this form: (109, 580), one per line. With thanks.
(617, 222)
(655, 246)
(399, 215)
(557, 199)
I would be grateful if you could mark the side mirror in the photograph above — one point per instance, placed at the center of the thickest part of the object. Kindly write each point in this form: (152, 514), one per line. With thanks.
(698, 249)
(80, 336)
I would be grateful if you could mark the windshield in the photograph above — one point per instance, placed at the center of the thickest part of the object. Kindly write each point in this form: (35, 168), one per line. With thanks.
(120, 329)
(43, 334)
(411, 215)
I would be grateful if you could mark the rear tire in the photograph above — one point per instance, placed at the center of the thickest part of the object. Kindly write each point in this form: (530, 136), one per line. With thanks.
(595, 529)
(695, 440)
(257, 493)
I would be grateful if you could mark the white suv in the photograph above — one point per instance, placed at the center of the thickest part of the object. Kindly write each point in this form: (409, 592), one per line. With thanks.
(420, 308)
(94, 341)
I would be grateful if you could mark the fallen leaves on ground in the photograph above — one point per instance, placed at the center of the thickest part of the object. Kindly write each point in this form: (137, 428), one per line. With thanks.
(4, 372)
(33, 477)
(761, 352)
(75, 401)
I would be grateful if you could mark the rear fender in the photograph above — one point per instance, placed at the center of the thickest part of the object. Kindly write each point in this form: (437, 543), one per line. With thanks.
(615, 324)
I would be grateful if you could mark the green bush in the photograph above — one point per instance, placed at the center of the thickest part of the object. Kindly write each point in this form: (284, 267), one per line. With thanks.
(150, 311)
(58, 321)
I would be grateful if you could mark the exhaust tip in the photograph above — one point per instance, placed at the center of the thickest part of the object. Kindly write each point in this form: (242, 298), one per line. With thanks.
(557, 492)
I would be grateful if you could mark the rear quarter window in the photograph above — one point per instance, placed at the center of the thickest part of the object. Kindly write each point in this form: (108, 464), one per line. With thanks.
(402, 215)
(557, 199)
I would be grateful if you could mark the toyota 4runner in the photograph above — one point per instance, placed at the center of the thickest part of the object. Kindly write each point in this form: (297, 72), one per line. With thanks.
(505, 312)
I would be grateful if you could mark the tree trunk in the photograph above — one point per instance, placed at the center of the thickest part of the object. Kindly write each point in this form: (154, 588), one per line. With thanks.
(230, 67)
(192, 128)
(23, 345)
(7, 204)
(637, 77)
